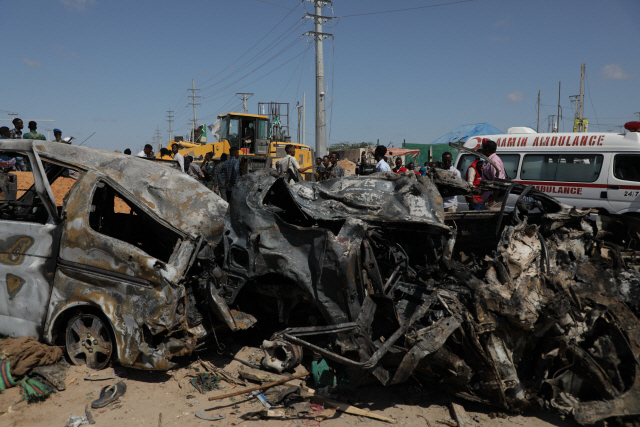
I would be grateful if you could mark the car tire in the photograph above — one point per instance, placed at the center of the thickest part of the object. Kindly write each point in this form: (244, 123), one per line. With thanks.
(89, 340)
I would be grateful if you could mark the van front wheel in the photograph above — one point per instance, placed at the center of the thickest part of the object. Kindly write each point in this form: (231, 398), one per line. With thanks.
(88, 341)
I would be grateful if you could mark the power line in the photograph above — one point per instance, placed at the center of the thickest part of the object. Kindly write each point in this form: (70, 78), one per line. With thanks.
(252, 60)
(378, 13)
(256, 69)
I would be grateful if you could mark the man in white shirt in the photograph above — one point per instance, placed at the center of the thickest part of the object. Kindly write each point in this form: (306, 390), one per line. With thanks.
(177, 156)
(146, 151)
(289, 164)
(382, 165)
(450, 204)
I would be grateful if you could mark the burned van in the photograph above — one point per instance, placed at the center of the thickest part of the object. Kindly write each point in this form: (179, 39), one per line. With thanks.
(98, 264)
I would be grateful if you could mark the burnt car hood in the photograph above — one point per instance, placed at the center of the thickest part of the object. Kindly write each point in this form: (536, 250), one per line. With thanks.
(172, 195)
(379, 198)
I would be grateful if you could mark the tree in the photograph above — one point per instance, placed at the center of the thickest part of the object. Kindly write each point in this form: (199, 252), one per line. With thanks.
(346, 145)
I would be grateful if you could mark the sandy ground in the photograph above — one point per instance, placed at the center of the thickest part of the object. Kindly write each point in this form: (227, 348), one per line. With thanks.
(169, 395)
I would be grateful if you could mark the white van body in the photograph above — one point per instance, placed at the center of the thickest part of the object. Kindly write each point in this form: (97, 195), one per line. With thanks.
(585, 170)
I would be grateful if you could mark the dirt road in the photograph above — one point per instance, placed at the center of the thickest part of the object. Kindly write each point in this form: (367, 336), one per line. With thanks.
(150, 394)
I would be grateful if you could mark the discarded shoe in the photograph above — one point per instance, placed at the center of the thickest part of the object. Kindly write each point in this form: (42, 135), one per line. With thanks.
(109, 394)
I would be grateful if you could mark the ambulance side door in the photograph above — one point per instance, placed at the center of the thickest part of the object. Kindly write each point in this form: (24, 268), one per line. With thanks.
(623, 184)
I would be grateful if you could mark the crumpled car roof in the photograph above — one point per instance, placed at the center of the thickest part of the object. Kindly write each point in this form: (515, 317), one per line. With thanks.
(381, 197)
(172, 195)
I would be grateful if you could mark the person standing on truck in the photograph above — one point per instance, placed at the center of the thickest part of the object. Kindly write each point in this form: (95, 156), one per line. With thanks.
(16, 132)
(450, 204)
(231, 170)
(473, 177)
(489, 173)
(33, 134)
(382, 165)
(177, 156)
(57, 135)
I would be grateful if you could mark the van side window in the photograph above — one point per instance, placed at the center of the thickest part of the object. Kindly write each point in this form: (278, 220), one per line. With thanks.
(625, 167)
(113, 215)
(561, 167)
(511, 163)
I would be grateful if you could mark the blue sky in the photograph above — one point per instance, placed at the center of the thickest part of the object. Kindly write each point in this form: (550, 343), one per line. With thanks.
(115, 67)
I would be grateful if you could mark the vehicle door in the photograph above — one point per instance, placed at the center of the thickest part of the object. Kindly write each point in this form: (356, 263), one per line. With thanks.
(29, 241)
(623, 183)
(109, 234)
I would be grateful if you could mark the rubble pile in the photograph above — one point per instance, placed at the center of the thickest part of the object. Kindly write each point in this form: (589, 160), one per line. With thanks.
(528, 308)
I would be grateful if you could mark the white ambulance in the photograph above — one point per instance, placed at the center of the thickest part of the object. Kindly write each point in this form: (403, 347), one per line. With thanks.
(585, 170)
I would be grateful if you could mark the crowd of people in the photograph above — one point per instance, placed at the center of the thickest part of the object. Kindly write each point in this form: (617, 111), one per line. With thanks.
(21, 164)
(222, 176)
(478, 171)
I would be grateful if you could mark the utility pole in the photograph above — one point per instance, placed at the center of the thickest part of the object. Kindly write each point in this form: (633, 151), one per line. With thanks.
(578, 125)
(558, 125)
(170, 120)
(551, 124)
(298, 107)
(158, 138)
(304, 113)
(193, 102)
(321, 123)
(581, 93)
(244, 100)
(538, 126)
(638, 113)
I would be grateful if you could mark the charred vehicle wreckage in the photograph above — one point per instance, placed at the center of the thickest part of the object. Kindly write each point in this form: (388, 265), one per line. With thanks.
(533, 306)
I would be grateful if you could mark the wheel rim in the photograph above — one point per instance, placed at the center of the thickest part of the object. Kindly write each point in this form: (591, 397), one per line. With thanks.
(88, 341)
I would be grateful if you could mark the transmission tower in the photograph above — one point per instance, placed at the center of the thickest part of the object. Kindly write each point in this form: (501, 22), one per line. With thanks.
(170, 120)
(193, 103)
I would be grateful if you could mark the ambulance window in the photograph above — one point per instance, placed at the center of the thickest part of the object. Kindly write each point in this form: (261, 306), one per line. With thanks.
(510, 162)
(625, 167)
(561, 167)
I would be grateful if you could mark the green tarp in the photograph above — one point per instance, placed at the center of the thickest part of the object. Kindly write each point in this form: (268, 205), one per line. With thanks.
(431, 152)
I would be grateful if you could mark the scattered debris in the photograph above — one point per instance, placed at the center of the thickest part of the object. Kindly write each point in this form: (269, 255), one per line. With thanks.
(205, 381)
(261, 387)
(76, 421)
(89, 415)
(203, 415)
(460, 415)
(344, 407)
(55, 374)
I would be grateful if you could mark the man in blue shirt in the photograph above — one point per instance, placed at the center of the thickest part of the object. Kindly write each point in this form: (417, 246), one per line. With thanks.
(231, 171)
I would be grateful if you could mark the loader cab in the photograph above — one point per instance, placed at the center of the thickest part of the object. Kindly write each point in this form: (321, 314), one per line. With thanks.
(248, 132)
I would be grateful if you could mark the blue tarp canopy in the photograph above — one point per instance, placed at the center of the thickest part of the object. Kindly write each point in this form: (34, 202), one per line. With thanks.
(433, 152)
(461, 133)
